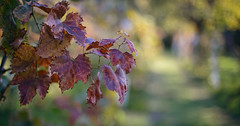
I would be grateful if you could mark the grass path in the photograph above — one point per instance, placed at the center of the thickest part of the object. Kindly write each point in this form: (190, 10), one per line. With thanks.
(175, 99)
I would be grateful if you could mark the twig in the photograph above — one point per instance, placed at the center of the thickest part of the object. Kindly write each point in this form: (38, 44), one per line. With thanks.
(3, 62)
(5, 70)
(35, 18)
(2, 96)
(2, 71)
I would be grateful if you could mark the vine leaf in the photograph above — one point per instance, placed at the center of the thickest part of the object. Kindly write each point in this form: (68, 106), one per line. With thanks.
(48, 46)
(24, 57)
(123, 83)
(72, 25)
(54, 78)
(116, 57)
(28, 82)
(22, 12)
(60, 9)
(115, 81)
(70, 71)
(43, 7)
(19, 38)
(102, 45)
(93, 44)
(57, 13)
(94, 93)
(53, 19)
(125, 60)
(99, 53)
(107, 41)
(110, 78)
(45, 62)
(130, 45)
(63, 66)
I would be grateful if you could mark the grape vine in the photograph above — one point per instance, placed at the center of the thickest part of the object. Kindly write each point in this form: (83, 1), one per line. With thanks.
(51, 54)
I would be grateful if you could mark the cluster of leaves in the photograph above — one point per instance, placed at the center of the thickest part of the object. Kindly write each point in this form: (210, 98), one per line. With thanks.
(35, 68)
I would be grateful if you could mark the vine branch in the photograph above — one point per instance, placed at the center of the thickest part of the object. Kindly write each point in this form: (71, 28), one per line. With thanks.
(2, 71)
(2, 96)
(35, 18)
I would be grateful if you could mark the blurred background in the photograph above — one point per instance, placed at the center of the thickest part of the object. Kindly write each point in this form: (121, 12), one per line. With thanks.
(187, 74)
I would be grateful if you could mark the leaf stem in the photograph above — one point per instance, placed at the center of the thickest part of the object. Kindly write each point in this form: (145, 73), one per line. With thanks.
(119, 46)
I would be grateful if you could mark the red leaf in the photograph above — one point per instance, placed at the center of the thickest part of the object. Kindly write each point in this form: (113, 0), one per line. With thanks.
(94, 93)
(72, 25)
(57, 13)
(48, 46)
(28, 82)
(103, 49)
(107, 42)
(125, 60)
(93, 45)
(24, 57)
(115, 81)
(63, 66)
(99, 53)
(54, 78)
(103, 45)
(45, 62)
(42, 72)
(42, 7)
(22, 12)
(131, 46)
(116, 56)
(53, 19)
(82, 67)
(110, 79)
(74, 19)
(19, 38)
(70, 71)
(123, 83)
(60, 9)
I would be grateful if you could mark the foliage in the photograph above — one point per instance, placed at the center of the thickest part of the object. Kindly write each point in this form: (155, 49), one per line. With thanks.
(35, 67)
(228, 94)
